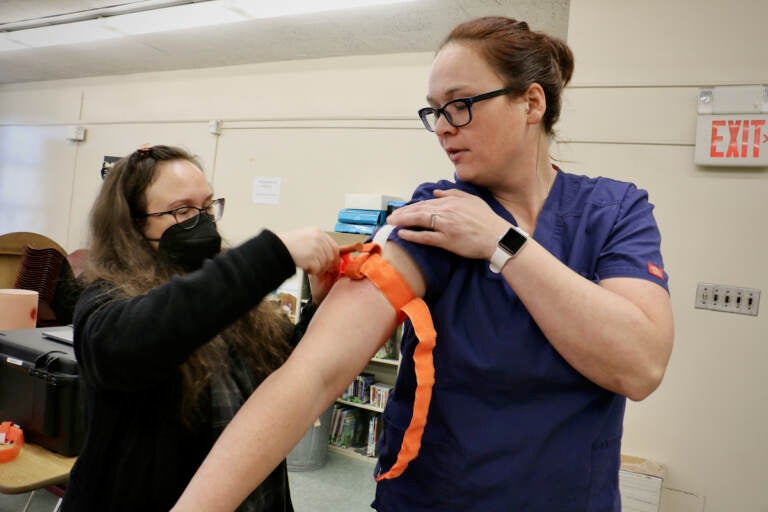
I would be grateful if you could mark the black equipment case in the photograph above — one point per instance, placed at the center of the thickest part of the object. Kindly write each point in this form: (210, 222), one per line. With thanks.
(40, 390)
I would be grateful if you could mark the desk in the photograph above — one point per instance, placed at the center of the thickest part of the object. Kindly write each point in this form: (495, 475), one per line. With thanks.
(34, 468)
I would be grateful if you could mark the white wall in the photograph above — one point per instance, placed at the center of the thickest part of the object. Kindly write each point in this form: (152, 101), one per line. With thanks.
(332, 126)
(326, 127)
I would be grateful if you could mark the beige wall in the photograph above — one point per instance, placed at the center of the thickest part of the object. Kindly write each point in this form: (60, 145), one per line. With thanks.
(325, 127)
(332, 126)
(631, 114)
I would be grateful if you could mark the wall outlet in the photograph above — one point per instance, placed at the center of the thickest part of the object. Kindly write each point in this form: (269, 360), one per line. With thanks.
(730, 299)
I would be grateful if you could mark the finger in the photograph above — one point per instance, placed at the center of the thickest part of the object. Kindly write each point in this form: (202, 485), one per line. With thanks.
(424, 237)
(414, 215)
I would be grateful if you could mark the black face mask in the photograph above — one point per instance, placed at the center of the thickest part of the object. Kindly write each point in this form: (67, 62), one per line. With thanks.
(189, 248)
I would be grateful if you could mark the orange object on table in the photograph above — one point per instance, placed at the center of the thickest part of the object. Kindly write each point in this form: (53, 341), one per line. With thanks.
(14, 440)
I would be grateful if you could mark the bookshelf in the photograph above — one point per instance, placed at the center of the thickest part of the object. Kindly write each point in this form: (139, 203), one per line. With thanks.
(384, 373)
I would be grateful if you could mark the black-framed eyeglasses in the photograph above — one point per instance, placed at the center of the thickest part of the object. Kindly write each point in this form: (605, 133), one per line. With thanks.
(457, 112)
(214, 209)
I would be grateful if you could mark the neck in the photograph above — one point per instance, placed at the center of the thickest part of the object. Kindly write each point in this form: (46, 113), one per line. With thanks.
(524, 197)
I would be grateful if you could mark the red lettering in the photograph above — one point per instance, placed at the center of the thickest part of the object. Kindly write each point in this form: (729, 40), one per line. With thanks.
(733, 129)
(713, 152)
(757, 123)
(744, 138)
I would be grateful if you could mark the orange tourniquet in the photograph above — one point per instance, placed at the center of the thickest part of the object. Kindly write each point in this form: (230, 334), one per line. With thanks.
(395, 288)
(14, 437)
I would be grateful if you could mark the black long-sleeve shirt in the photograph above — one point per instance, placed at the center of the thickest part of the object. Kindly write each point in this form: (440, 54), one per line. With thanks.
(137, 455)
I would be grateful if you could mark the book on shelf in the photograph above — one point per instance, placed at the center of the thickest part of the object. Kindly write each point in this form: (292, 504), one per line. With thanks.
(359, 389)
(348, 427)
(336, 420)
(380, 394)
(374, 430)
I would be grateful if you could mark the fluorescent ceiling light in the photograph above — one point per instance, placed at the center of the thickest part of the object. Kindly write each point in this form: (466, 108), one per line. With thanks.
(174, 18)
(277, 8)
(68, 33)
(192, 15)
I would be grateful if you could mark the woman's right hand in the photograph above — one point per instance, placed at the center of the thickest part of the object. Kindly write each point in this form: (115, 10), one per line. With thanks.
(313, 250)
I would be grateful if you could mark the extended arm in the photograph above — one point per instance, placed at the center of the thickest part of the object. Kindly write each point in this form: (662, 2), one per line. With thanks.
(353, 321)
(129, 343)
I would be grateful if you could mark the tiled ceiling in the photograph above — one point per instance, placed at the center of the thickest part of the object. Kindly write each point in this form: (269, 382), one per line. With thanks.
(414, 26)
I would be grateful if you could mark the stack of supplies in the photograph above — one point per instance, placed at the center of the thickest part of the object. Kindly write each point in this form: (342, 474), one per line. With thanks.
(364, 213)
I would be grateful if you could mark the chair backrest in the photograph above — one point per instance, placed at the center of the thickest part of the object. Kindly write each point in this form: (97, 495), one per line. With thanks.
(12, 249)
(39, 271)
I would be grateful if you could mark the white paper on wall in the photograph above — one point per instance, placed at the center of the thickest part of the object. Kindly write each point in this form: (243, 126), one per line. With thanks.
(266, 190)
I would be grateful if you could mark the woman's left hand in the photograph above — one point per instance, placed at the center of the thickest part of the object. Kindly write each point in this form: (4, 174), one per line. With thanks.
(455, 221)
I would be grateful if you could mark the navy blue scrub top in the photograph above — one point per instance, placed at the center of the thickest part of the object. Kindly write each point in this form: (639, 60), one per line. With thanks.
(512, 426)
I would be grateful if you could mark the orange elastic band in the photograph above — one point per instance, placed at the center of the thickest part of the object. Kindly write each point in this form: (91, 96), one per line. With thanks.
(14, 440)
(369, 264)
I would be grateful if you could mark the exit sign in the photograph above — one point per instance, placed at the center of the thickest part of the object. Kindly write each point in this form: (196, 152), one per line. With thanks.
(732, 140)
(732, 126)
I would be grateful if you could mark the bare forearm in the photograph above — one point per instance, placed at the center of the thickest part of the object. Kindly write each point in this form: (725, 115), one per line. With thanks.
(619, 335)
(349, 326)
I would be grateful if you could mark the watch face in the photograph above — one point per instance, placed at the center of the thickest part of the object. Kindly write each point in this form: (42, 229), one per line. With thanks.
(512, 241)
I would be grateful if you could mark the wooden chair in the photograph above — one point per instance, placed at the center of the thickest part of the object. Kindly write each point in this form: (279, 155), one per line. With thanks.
(42, 265)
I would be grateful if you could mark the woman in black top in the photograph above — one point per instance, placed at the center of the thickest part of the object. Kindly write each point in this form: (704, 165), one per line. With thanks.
(172, 334)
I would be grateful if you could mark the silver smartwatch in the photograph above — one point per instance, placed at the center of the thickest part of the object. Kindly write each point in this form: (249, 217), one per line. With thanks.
(508, 246)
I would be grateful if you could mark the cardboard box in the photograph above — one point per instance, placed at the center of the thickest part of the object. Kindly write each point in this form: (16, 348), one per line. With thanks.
(640, 482)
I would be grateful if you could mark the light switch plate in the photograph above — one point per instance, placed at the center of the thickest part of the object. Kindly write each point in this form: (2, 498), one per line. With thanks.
(726, 298)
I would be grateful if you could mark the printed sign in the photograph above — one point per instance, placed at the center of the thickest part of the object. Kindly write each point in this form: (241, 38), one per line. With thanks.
(266, 190)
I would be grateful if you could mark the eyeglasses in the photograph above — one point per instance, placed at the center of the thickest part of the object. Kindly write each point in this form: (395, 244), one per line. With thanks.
(189, 216)
(457, 112)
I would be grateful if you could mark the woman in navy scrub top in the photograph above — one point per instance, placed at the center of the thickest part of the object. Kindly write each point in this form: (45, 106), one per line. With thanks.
(540, 339)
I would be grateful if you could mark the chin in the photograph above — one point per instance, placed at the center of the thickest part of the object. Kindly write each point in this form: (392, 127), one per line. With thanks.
(465, 174)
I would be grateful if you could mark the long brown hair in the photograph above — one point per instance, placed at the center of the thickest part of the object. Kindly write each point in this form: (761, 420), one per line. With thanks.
(120, 255)
(521, 57)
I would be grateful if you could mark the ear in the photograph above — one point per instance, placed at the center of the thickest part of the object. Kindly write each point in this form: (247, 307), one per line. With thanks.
(536, 103)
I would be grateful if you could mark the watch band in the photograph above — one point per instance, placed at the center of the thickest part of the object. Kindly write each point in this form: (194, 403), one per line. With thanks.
(508, 246)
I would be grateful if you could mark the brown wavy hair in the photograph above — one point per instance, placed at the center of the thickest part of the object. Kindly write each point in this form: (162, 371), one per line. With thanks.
(120, 255)
(521, 57)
